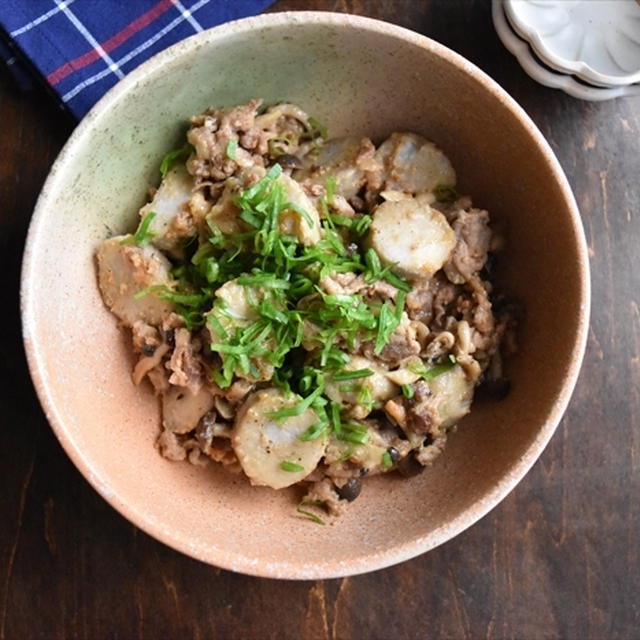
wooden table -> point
(558, 558)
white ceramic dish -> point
(535, 70)
(596, 40)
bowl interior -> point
(359, 77)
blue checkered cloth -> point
(83, 47)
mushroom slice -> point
(123, 271)
(182, 410)
(413, 237)
(270, 451)
(403, 375)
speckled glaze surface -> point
(358, 76)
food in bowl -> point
(338, 66)
(309, 310)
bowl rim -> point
(284, 568)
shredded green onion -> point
(386, 326)
(142, 237)
(298, 408)
(345, 456)
(329, 189)
(313, 432)
(308, 514)
(292, 467)
(446, 193)
(362, 225)
(407, 391)
(356, 433)
(352, 375)
(431, 372)
(172, 157)
(317, 130)
(231, 148)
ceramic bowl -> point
(358, 76)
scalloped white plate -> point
(595, 40)
(521, 50)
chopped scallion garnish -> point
(308, 514)
(407, 391)
(386, 326)
(142, 237)
(329, 189)
(298, 408)
(446, 193)
(317, 130)
(429, 373)
(313, 432)
(291, 467)
(437, 370)
(356, 433)
(300, 211)
(231, 148)
(345, 456)
(352, 375)
(172, 157)
(362, 224)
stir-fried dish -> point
(309, 310)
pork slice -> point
(473, 239)
(210, 135)
(324, 491)
(145, 338)
(346, 283)
(170, 446)
(185, 367)
(402, 344)
(429, 302)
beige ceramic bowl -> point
(358, 76)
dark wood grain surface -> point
(558, 558)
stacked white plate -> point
(588, 48)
